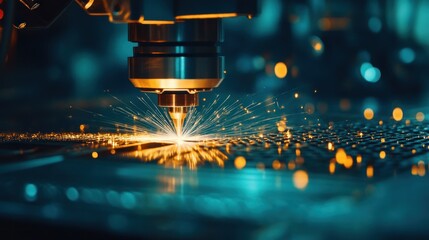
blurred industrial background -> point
(356, 54)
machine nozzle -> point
(178, 115)
(178, 104)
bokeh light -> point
(368, 113)
(370, 171)
(341, 156)
(300, 179)
(240, 162)
(407, 55)
(30, 192)
(370, 73)
(280, 69)
(317, 45)
(397, 114)
(420, 116)
(276, 164)
(359, 159)
(382, 154)
(375, 24)
(349, 162)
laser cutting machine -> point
(178, 53)
(328, 142)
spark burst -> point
(217, 121)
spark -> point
(220, 118)
(219, 121)
(131, 136)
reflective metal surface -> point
(193, 31)
(199, 70)
(271, 186)
(175, 85)
(186, 51)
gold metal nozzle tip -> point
(178, 115)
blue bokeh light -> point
(370, 73)
(375, 24)
(30, 192)
(72, 194)
(407, 55)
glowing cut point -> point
(180, 140)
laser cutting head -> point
(177, 61)
(178, 52)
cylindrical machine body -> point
(180, 57)
(177, 61)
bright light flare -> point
(190, 154)
(207, 128)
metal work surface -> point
(269, 186)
